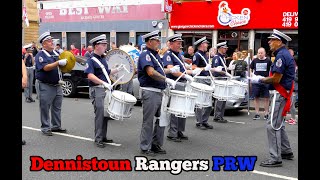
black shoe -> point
(288, 156)
(220, 120)
(47, 133)
(208, 126)
(32, 100)
(175, 139)
(182, 136)
(28, 100)
(157, 149)
(270, 163)
(256, 117)
(105, 140)
(148, 153)
(200, 126)
(23, 142)
(59, 130)
(100, 144)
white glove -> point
(188, 66)
(175, 69)
(188, 78)
(218, 69)
(107, 86)
(196, 71)
(255, 79)
(119, 67)
(62, 62)
(208, 67)
(171, 82)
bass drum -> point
(116, 57)
(133, 52)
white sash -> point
(59, 71)
(212, 79)
(158, 63)
(180, 62)
(102, 67)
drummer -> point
(199, 58)
(220, 61)
(99, 81)
(151, 75)
(170, 59)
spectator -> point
(261, 66)
(74, 50)
(35, 49)
(113, 46)
(190, 53)
(83, 50)
(89, 52)
(292, 120)
(58, 48)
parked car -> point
(75, 81)
(237, 104)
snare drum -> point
(120, 105)
(204, 93)
(223, 90)
(182, 103)
(199, 79)
(239, 89)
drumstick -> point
(117, 81)
(180, 76)
(124, 67)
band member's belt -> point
(49, 83)
(152, 89)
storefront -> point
(77, 21)
(243, 24)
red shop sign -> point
(239, 14)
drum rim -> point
(198, 88)
(132, 62)
(121, 92)
(239, 82)
(183, 93)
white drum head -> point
(221, 82)
(117, 57)
(201, 86)
(124, 96)
(183, 93)
(239, 83)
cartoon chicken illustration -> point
(224, 16)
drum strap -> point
(224, 65)
(56, 54)
(103, 68)
(158, 63)
(182, 64)
(206, 63)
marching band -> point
(164, 84)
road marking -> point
(274, 175)
(237, 122)
(70, 135)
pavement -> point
(242, 136)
